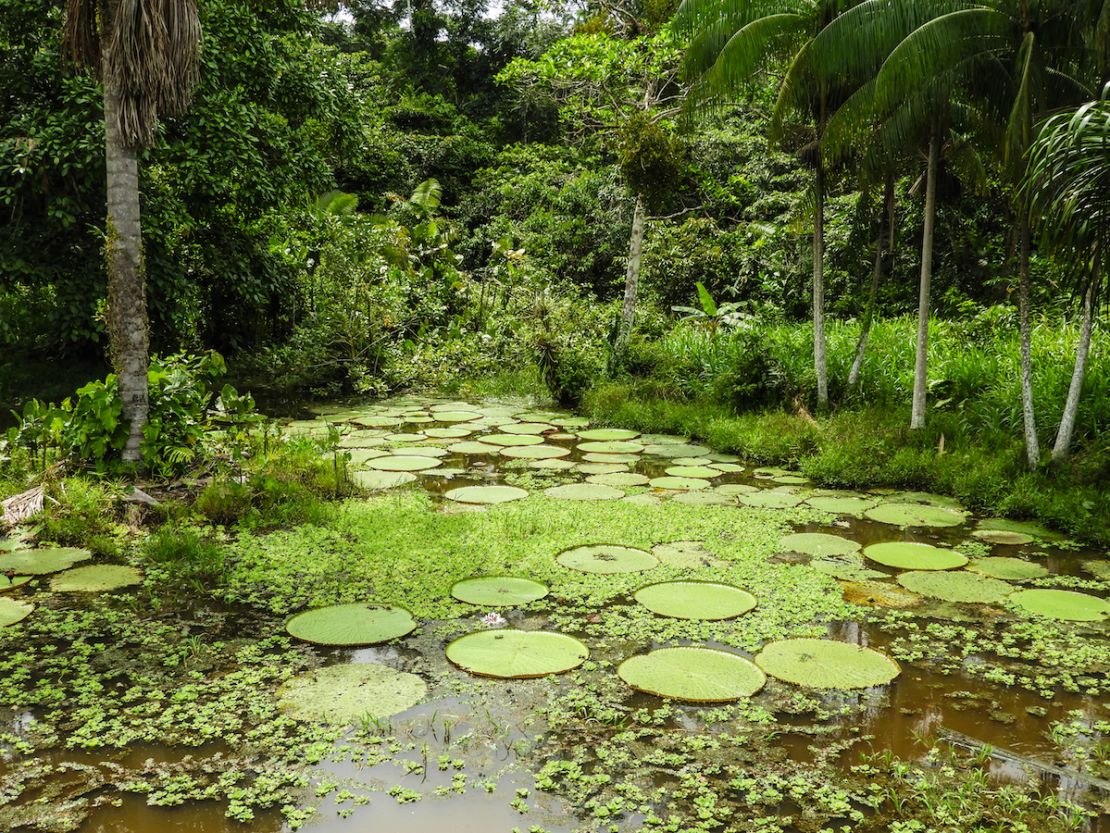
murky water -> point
(921, 703)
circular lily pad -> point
(770, 499)
(818, 544)
(96, 579)
(608, 434)
(351, 624)
(697, 675)
(619, 478)
(455, 416)
(611, 447)
(13, 610)
(960, 586)
(349, 694)
(584, 491)
(515, 654)
(403, 463)
(914, 555)
(1003, 536)
(486, 494)
(535, 452)
(841, 505)
(600, 468)
(703, 600)
(706, 498)
(506, 440)
(606, 559)
(12, 583)
(42, 561)
(594, 457)
(406, 437)
(700, 472)
(526, 428)
(680, 484)
(914, 514)
(676, 449)
(825, 663)
(879, 594)
(498, 591)
(451, 432)
(1029, 529)
(375, 480)
(471, 447)
(1060, 604)
(1010, 569)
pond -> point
(959, 677)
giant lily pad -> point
(535, 452)
(486, 494)
(847, 505)
(703, 600)
(506, 440)
(770, 499)
(1060, 604)
(43, 561)
(451, 432)
(455, 416)
(96, 579)
(914, 514)
(498, 591)
(611, 447)
(375, 480)
(515, 654)
(606, 559)
(1021, 529)
(349, 694)
(679, 484)
(1010, 569)
(1003, 536)
(678, 449)
(698, 675)
(12, 583)
(619, 478)
(584, 491)
(825, 663)
(403, 463)
(879, 594)
(526, 428)
(608, 434)
(13, 610)
(818, 544)
(351, 624)
(471, 447)
(700, 472)
(914, 555)
(594, 457)
(968, 588)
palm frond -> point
(81, 34)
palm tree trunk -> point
(127, 316)
(876, 278)
(1029, 420)
(632, 276)
(820, 362)
(1071, 406)
(920, 368)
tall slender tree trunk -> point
(1071, 406)
(127, 316)
(876, 279)
(632, 276)
(920, 367)
(820, 362)
(1028, 416)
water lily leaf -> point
(790, 480)
(846, 568)
(13, 610)
(451, 432)
(700, 472)
(914, 555)
(375, 480)
(914, 514)
(361, 456)
(606, 559)
(42, 561)
(706, 498)
(826, 663)
(608, 434)
(879, 594)
(611, 447)
(426, 451)
(841, 505)
(370, 421)
(959, 586)
(351, 624)
(406, 437)
(677, 449)
(678, 483)
(471, 447)
(619, 478)
(349, 694)
(526, 428)
(1067, 605)
(96, 579)
(498, 591)
(1099, 568)
(601, 468)
(552, 465)
(727, 468)
(515, 654)
(1002, 536)
(506, 440)
(535, 452)
(1010, 569)
(12, 583)
(697, 675)
(1030, 529)
(818, 544)
(486, 494)
(929, 498)
(403, 463)
(594, 457)
(584, 491)
(455, 416)
(701, 600)
(770, 499)
(734, 489)
(688, 555)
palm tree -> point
(146, 55)
(729, 41)
(1068, 183)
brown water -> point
(922, 703)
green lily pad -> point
(929, 498)
(1030, 529)
(372, 421)
(914, 555)
(1067, 605)
(683, 484)
(526, 428)
(697, 675)
(498, 591)
(701, 600)
(841, 505)
(471, 447)
(98, 578)
(351, 624)
(818, 544)
(535, 452)
(688, 555)
(403, 463)
(1003, 536)
(727, 468)
(42, 561)
(1010, 569)
(826, 664)
(350, 694)
(455, 416)
(699, 472)
(846, 568)
(619, 478)
(678, 449)
(914, 514)
(406, 437)
(451, 432)
(507, 440)
(13, 610)
(959, 586)
(486, 494)
(12, 583)
(584, 491)
(611, 447)
(770, 499)
(600, 468)
(375, 480)
(552, 465)
(879, 594)
(734, 489)
(361, 456)
(1099, 568)
(607, 560)
(608, 434)
(594, 457)
(706, 498)
(515, 654)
